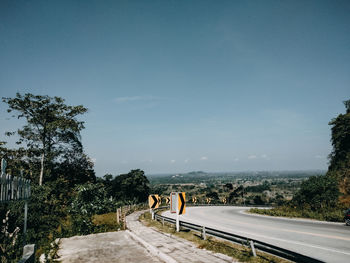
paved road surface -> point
(329, 242)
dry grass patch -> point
(105, 223)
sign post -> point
(173, 202)
(177, 223)
(178, 206)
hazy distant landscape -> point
(249, 188)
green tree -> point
(236, 194)
(317, 192)
(339, 167)
(214, 196)
(90, 199)
(131, 187)
(51, 128)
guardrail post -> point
(203, 233)
(177, 223)
(252, 247)
(152, 213)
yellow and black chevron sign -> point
(182, 203)
(194, 200)
(153, 201)
(167, 200)
(224, 200)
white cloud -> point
(236, 159)
(204, 158)
(319, 157)
(172, 161)
(133, 98)
(252, 156)
(187, 160)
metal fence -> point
(11, 187)
(242, 240)
(14, 188)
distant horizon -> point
(246, 171)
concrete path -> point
(170, 248)
(135, 245)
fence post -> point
(124, 219)
(117, 215)
(25, 223)
(252, 247)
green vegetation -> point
(339, 167)
(133, 186)
(240, 188)
(241, 253)
(67, 199)
(106, 223)
(327, 214)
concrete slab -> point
(104, 247)
(169, 247)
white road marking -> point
(277, 239)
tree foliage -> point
(90, 199)
(51, 127)
(317, 192)
(339, 167)
(213, 195)
(236, 194)
(131, 187)
(259, 188)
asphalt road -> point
(326, 241)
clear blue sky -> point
(176, 86)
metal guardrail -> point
(265, 247)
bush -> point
(318, 192)
(90, 200)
